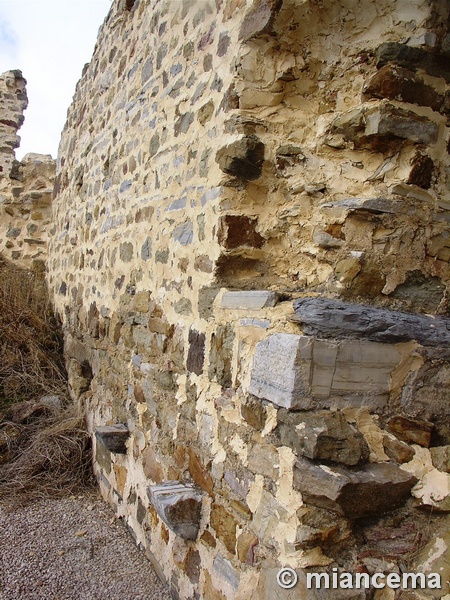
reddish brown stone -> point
(179, 456)
(164, 533)
(224, 525)
(397, 450)
(203, 263)
(121, 477)
(411, 430)
(396, 83)
(138, 394)
(192, 565)
(209, 591)
(237, 230)
(246, 547)
(199, 474)
(254, 413)
(387, 540)
(152, 468)
(421, 172)
(208, 539)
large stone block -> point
(413, 58)
(281, 370)
(337, 319)
(365, 492)
(302, 373)
(179, 506)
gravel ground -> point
(72, 549)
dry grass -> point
(47, 457)
(44, 447)
(31, 359)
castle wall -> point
(224, 169)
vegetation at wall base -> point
(44, 445)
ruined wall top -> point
(13, 102)
(26, 187)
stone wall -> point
(226, 169)
(26, 187)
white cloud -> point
(49, 41)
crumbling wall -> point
(250, 236)
(26, 187)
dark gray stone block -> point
(243, 158)
(179, 506)
(365, 492)
(413, 58)
(335, 318)
(113, 437)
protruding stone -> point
(243, 158)
(322, 436)
(372, 125)
(411, 430)
(249, 300)
(413, 58)
(113, 437)
(366, 492)
(377, 206)
(397, 83)
(259, 19)
(281, 369)
(337, 319)
(179, 506)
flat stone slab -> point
(377, 206)
(113, 437)
(338, 319)
(252, 300)
(365, 492)
(179, 506)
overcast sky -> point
(49, 41)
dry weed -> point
(44, 448)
